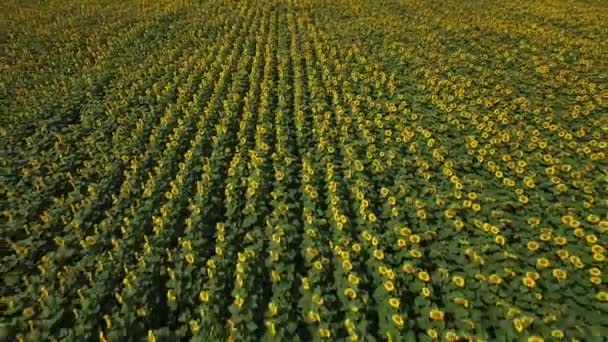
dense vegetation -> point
(303, 169)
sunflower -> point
(458, 281)
(372, 217)
(543, 263)
(350, 293)
(398, 320)
(518, 325)
(389, 286)
(461, 301)
(194, 325)
(239, 301)
(560, 240)
(317, 299)
(597, 249)
(563, 254)
(450, 214)
(318, 265)
(593, 218)
(313, 316)
(108, 321)
(533, 221)
(28, 312)
(151, 337)
(560, 274)
(500, 240)
(529, 282)
(324, 332)
(495, 279)
(346, 265)
(408, 268)
(424, 276)
(273, 308)
(405, 231)
(415, 253)
(436, 315)
(458, 224)
(451, 336)
(595, 280)
(533, 275)
(532, 246)
(591, 239)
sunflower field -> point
(304, 170)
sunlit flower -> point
(494, 279)
(458, 281)
(389, 286)
(532, 246)
(324, 332)
(559, 274)
(350, 293)
(378, 254)
(557, 333)
(398, 320)
(194, 326)
(28, 312)
(518, 325)
(543, 263)
(436, 315)
(171, 296)
(346, 265)
(415, 253)
(529, 282)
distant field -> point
(286, 170)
